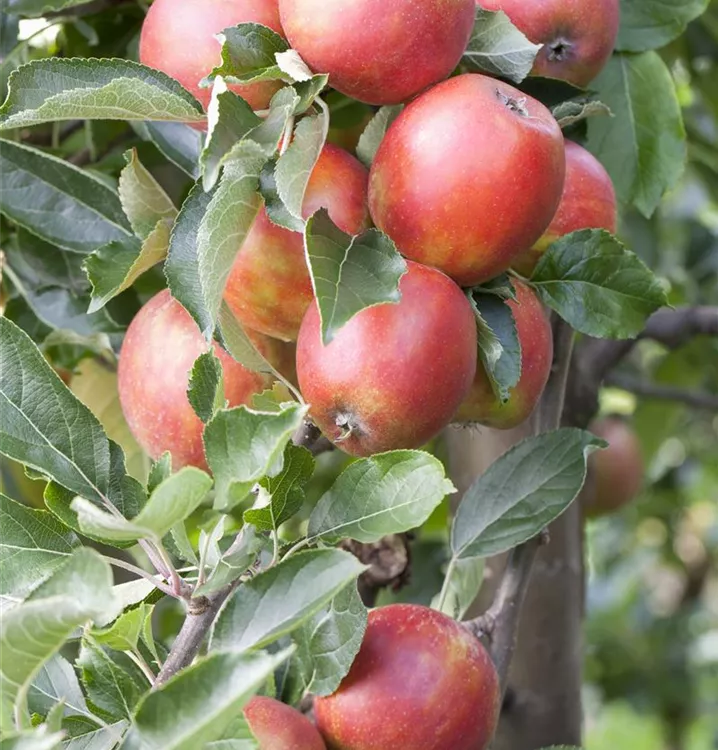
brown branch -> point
(696, 399)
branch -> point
(696, 399)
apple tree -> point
(309, 314)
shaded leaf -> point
(650, 24)
(248, 53)
(374, 133)
(206, 386)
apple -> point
(379, 52)
(394, 375)
(615, 473)
(482, 405)
(588, 202)
(578, 36)
(269, 288)
(277, 726)
(468, 176)
(420, 681)
(159, 350)
(179, 38)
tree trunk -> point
(543, 701)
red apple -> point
(269, 288)
(468, 176)
(588, 202)
(379, 52)
(421, 681)
(178, 38)
(482, 405)
(615, 473)
(394, 375)
(277, 726)
(578, 35)
(157, 356)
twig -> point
(696, 399)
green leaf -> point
(243, 445)
(235, 561)
(32, 545)
(498, 48)
(180, 143)
(571, 112)
(40, 7)
(327, 644)
(499, 344)
(521, 492)
(143, 199)
(295, 166)
(650, 24)
(57, 88)
(278, 600)
(32, 632)
(230, 119)
(464, 579)
(386, 494)
(282, 495)
(113, 682)
(374, 133)
(40, 739)
(644, 146)
(45, 427)
(248, 52)
(308, 91)
(349, 274)
(596, 285)
(159, 471)
(100, 738)
(171, 502)
(197, 705)
(57, 681)
(125, 632)
(240, 346)
(206, 386)
(58, 202)
(268, 135)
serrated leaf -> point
(499, 344)
(644, 146)
(206, 386)
(269, 133)
(248, 51)
(57, 88)
(385, 494)
(374, 133)
(197, 705)
(39, 739)
(349, 274)
(56, 680)
(230, 118)
(327, 644)
(99, 738)
(284, 492)
(159, 471)
(464, 579)
(180, 143)
(521, 492)
(58, 202)
(294, 167)
(243, 445)
(308, 91)
(498, 48)
(596, 285)
(125, 632)
(650, 24)
(279, 599)
(45, 427)
(33, 632)
(143, 198)
(235, 561)
(571, 112)
(238, 344)
(171, 502)
(113, 682)
(33, 544)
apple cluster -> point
(473, 179)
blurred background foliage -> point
(651, 634)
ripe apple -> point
(394, 375)
(419, 682)
(615, 473)
(277, 726)
(578, 35)
(157, 356)
(588, 202)
(269, 288)
(178, 38)
(468, 176)
(534, 331)
(379, 52)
